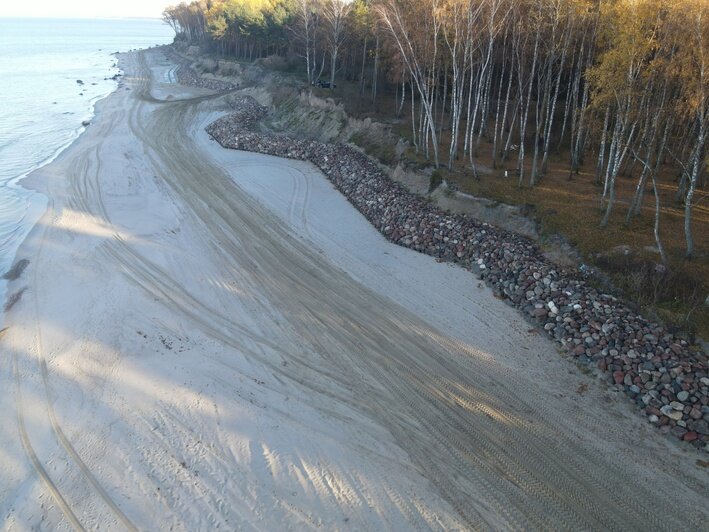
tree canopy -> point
(623, 81)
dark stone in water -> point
(16, 270)
(14, 299)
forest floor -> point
(569, 206)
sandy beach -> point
(211, 339)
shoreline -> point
(77, 133)
(57, 71)
(38, 202)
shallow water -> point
(42, 105)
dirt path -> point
(218, 369)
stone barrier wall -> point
(667, 381)
(186, 75)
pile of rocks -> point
(186, 75)
(658, 371)
(247, 112)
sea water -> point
(52, 72)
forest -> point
(607, 90)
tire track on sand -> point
(86, 188)
(32, 455)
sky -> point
(84, 8)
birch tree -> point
(304, 30)
(618, 80)
(334, 14)
(693, 60)
(415, 28)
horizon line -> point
(80, 17)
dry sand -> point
(212, 339)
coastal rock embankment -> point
(187, 75)
(658, 371)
